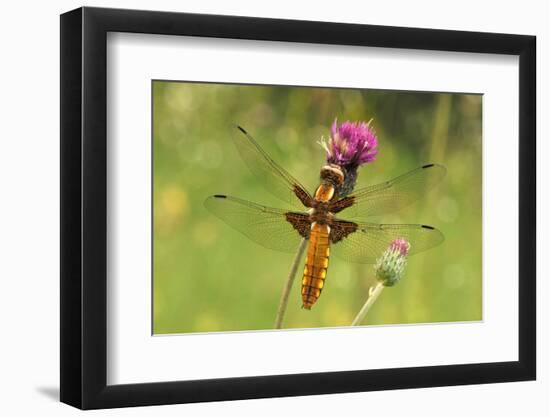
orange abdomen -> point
(315, 271)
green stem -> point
(283, 304)
(373, 296)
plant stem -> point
(373, 296)
(288, 285)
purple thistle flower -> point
(351, 144)
(391, 265)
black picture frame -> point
(84, 207)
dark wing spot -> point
(338, 206)
(428, 166)
(220, 196)
(242, 130)
(340, 229)
(428, 227)
(300, 222)
(303, 196)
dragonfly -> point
(325, 219)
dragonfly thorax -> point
(332, 178)
(324, 193)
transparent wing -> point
(273, 177)
(368, 241)
(393, 195)
(272, 228)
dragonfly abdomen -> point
(315, 270)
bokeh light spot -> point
(335, 314)
(454, 276)
(206, 322)
(447, 210)
(171, 207)
(205, 233)
(179, 98)
(208, 155)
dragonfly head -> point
(332, 174)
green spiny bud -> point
(391, 265)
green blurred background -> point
(209, 277)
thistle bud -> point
(391, 265)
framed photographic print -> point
(258, 208)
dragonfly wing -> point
(393, 195)
(270, 227)
(366, 242)
(273, 177)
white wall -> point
(29, 238)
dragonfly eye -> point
(332, 174)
